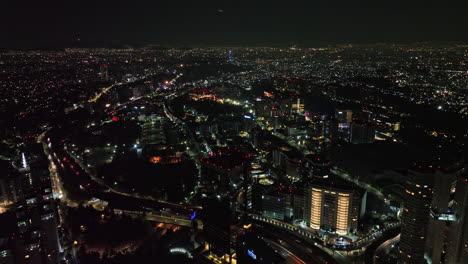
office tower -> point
(415, 216)
(362, 132)
(103, 72)
(330, 129)
(344, 118)
(217, 219)
(440, 213)
(230, 57)
(333, 207)
(297, 106)
(298, 204)
(277, 206)
(287, 161)
(30, 235)
(457, 246)
(315, 165)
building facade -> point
(333, 209)
(415, 217)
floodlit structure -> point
(334, 209)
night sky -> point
(231, 23)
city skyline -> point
(234, 132)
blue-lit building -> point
(230, 57)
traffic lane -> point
(286, 254)
(384, 249)
(79, 180)
(299, 246)
(371, 249)
(305, 252)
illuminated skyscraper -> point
(333, 208)
(344, 118)
(415, 217)
(230, 57)
(31, 235)
(297, 106)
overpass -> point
(160, 217)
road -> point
(290, 257)
(384, 249)
(157, 217)
(304, 248)
(68, 175)
(371, 250)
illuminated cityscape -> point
(200, 148)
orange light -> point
(155, 159)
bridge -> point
(161, 218)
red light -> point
(114, 118)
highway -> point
(384, 249)
(157, 217)
(305, 249)
(290, 257)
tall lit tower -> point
(23, 161)
(104, 73)
(416, 211)
(332, 207)
(230, 57)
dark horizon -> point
(230, 23)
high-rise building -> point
(316, 166)
(217, 219)
(230, 56)
(330, 129)
(457, 246)
(31, 233)
(277, 206)
(415, 216)
(440, 214)
(103, 72)
(362, 132)
(333, 207)
(297, 106)
(344, 118)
